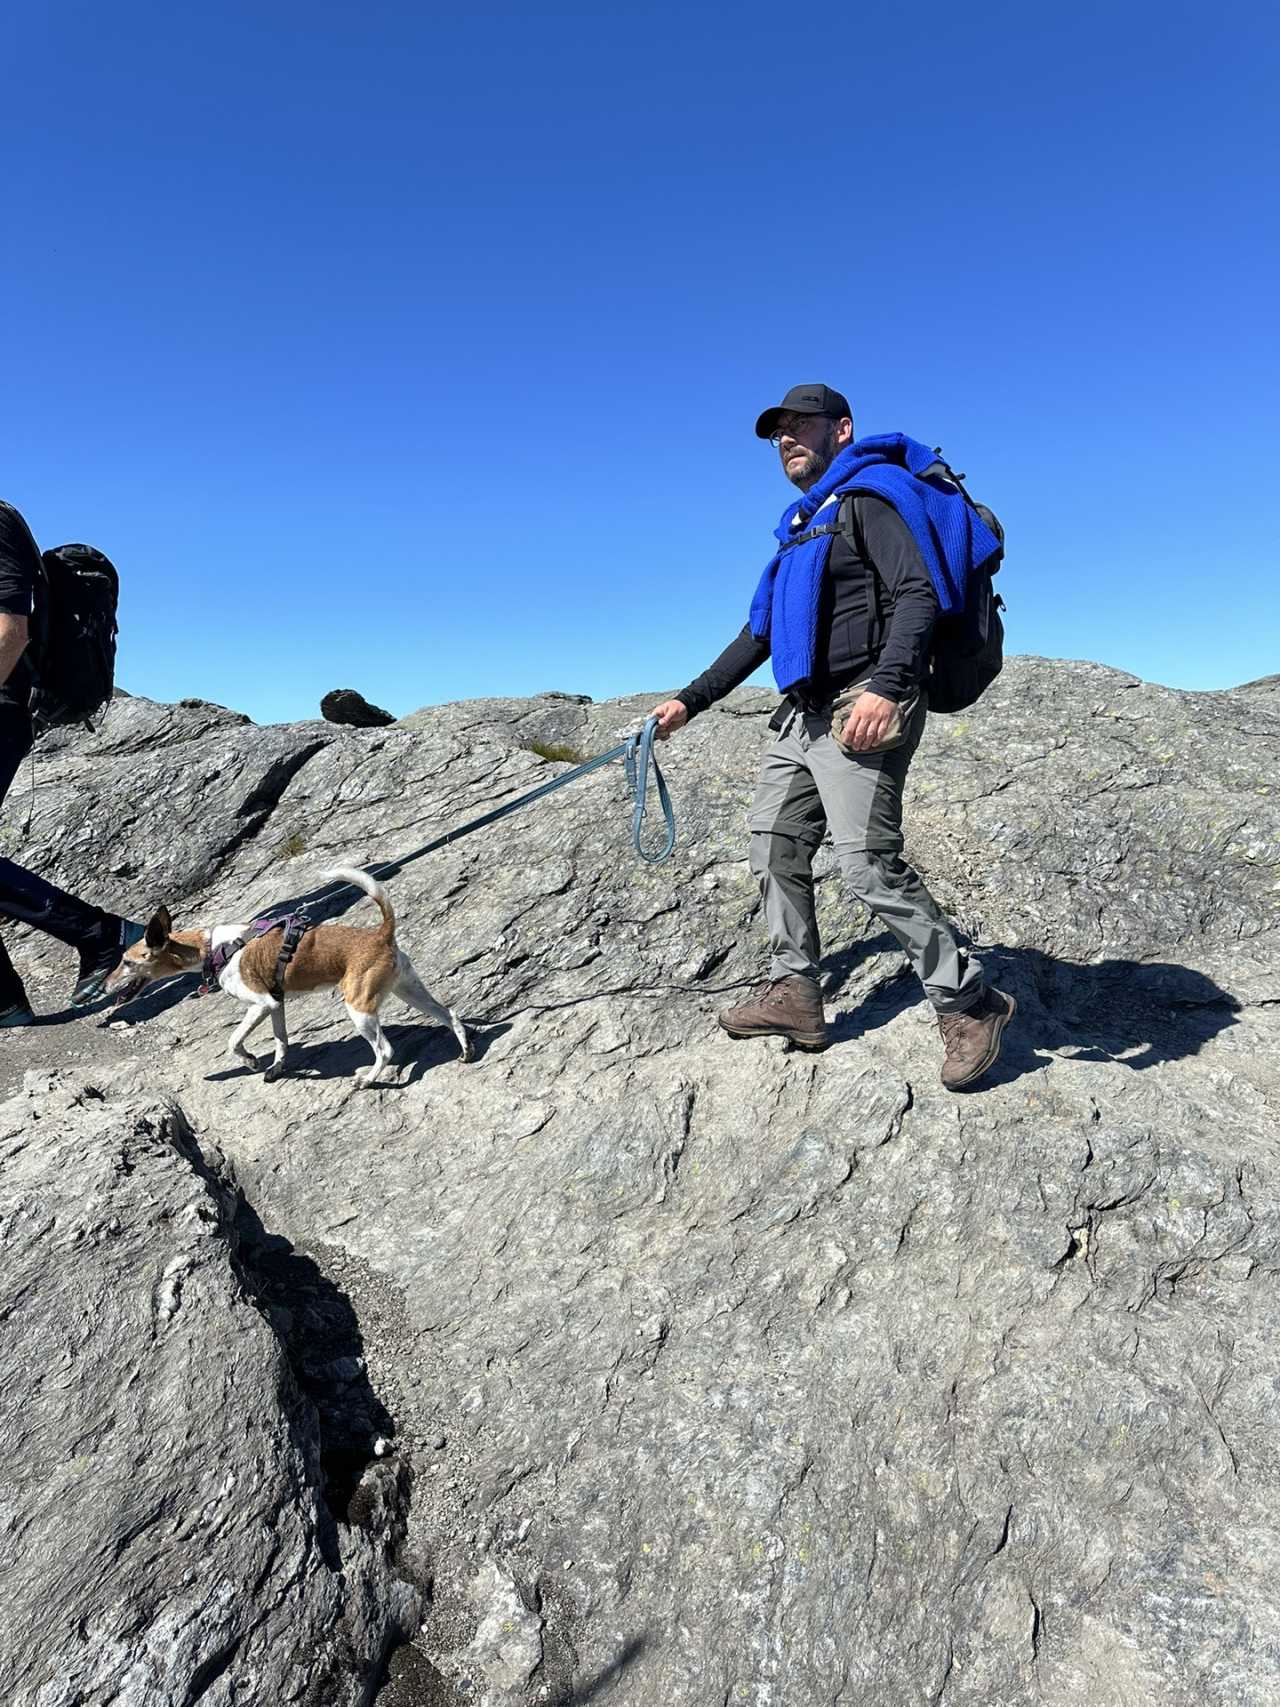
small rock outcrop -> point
(719, 1373)
(345, 705)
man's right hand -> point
(672, 714)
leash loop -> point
(639, 761)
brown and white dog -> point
(364, 965)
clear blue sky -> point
(417, 348)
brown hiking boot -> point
(784, 1007)
(972, 1039)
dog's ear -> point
(158, 928)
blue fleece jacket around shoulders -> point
(952, 539)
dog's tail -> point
(372, 888)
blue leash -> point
(639, 758)
(638, 755)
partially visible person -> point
(99, 937)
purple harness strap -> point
(294, 925)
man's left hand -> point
(868, 722)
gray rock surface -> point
(165, 1535)
(727, 1374)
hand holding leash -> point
(672, 714)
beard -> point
(807, 472)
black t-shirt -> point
(851, 643)
(19, 567)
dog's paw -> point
(468, 1050)
(275, 1071)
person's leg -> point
(972, 1015)
(15, 743)
(895, 893)
(100, 937)
(31, 901)
(786, 822)
(15, 1009)
(862, 795)
(786, 825)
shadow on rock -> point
(883, 1003)
(63, 1016)
(153, 1001)
(1134, 1013)
(417, 1048)
(317, 1326)
(596, 1686)
(332, 900)
(840, 968)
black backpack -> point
(968, 645)
(74, 642)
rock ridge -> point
(722, 1373)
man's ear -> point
(158, 928)
(844, 432)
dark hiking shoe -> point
(972, 1039)
(784, 1007)
(18, 1014)
(100, 957)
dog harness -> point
(294, 925)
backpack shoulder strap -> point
(41, 616)
(851, 528)
(942, 470)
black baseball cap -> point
(805, 400)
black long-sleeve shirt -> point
(851, 642)
(19, 567)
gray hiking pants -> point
(809, 784)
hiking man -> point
(853, 670)
(100, 937)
